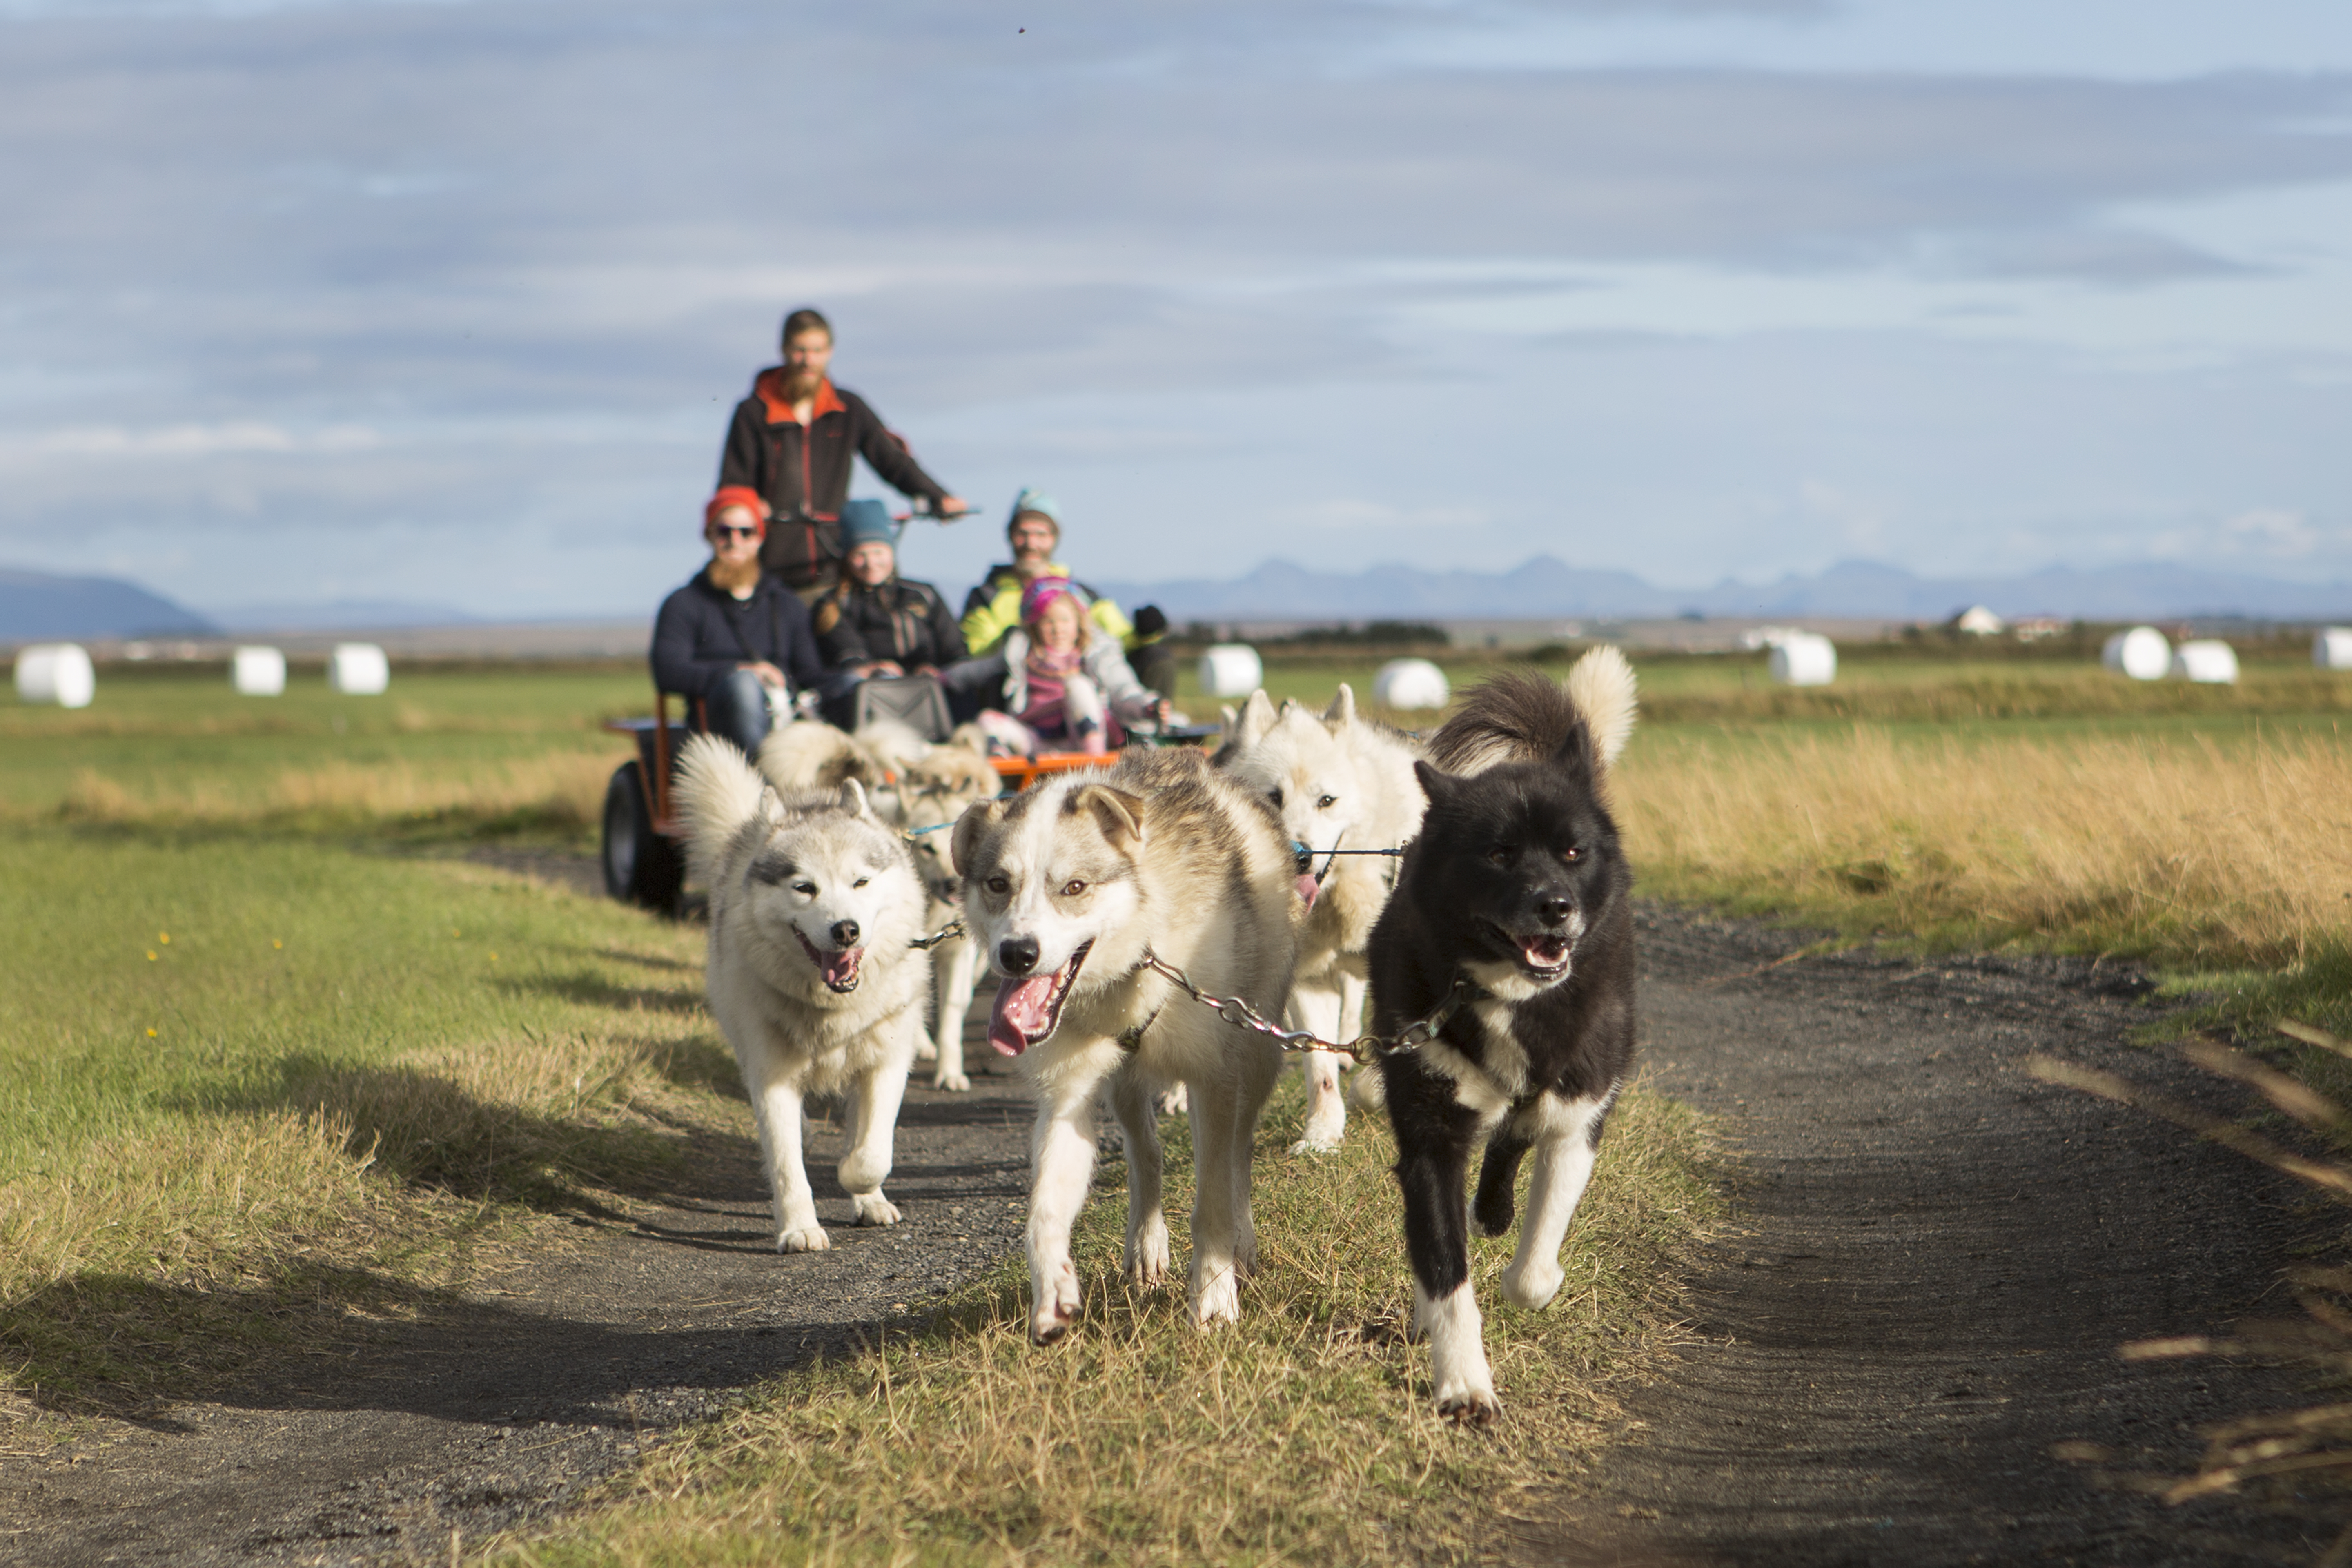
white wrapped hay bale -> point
(258, 672)
(2331, 647)
(2214, 663)
(358, 669)
(57, 673)
(2140, 653)
(1411, 683)
(1231, 669)
(1803, 658)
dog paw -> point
(1471, 1409)
(1534, 1285)
(1218, 1300)
(1056, 1307)
(1323, 1138)
(1147, 1253)
(808, 1238)
(873, 1209)
(1169, 1102)
(953, 1082)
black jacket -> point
(804, 472)
(703, 633)
(900, 620)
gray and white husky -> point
(1337, 783)
(815, 907)
(1067, 887)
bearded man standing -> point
(792, 441)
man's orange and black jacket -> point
(803, 472)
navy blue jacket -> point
(703, 633)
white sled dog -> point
(922, 789)
(815, 907)
(1337, 783)
(1067, 887)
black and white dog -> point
(1516, 890)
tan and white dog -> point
(1067, 887)
(1337, 783)
(813, 974)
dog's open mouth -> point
(838, 970)
(1543, 954)
(1028, 1009)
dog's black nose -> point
(1018, 954)
(1554, 911)
(845, 933)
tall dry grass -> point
(559, 790)
(2167, 849)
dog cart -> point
(643, 853)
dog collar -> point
(1131, 1038)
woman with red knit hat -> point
(734, 635)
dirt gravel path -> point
(1935, 1260)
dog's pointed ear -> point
(1438, 786)
(1118, 814)
(1342, 712)
(1232, 720)
(1258, 718)
(977, 818)
(853, 799)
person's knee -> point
(737, 709)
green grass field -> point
(278, 1052)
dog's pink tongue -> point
(1019, 1014)
(841, 968)
(1307, 888)
(1546, 952)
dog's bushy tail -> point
(808, 756)
(718, 791)
(1518, 716)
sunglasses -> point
(731, 531)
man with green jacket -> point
(1035, 533)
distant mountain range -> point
(36, 606)
(1545, 587)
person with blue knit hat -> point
(992, 610)
(874, 623)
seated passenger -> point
(875, 623)
(993, 609)
(735, 637)
(1067, 686)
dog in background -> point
(1068, 886)
(1516, 890)
(1336, 783)
(815, 907)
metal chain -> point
(947, 932)
(1366, 1049)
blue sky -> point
(449, 302)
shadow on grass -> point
(592, 990)
(326, 1337)
(425, 1130)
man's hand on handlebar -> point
(951, 508)
(770, 676)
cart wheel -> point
(641, 866)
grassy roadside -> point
(1302, 1434)
(255, 1084)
